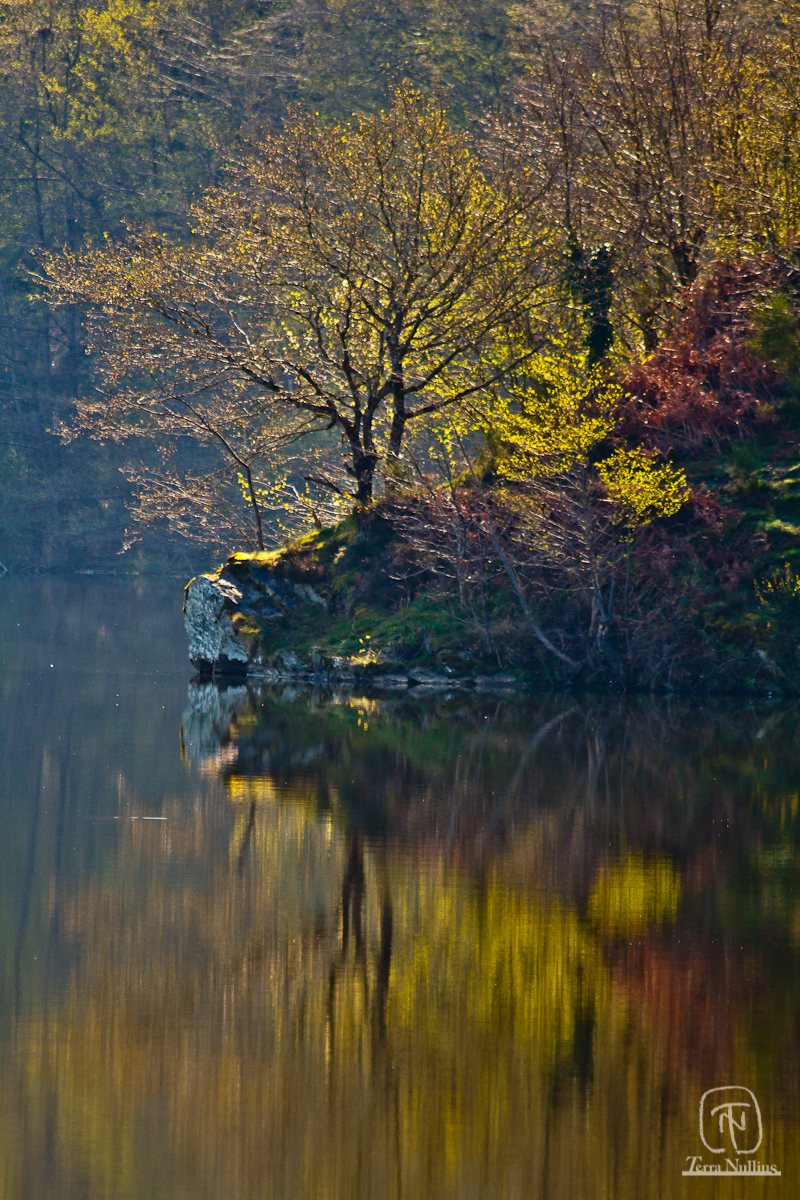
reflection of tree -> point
(693, 793)
(351, 906)
(405, 1018)
(270, 999)
(351, 912)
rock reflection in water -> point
(443, 948)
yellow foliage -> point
(633, 894)
(639, 490)
(757, 187)
(781, 584)
(96, 67)
(374, 293)
(553, 420)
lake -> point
(275, 943)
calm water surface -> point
(452, 947)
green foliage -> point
(18, 544)
(589, 276)
(777, 341)
(346, 57)
(780, 587)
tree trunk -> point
(365, 460)
(399, 414)
(364, 472)
(255, 506)
(399, 418)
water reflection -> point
(421, 948)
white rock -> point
(212, 638)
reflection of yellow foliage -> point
(260, 788)
(365, 705)
(634, 893)
(263, 789)
(221, 1038)
(212, 764)
(89, 1127)
(524, 966)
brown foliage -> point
(705, 383)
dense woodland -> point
(120, 111)
(516, 290)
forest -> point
(122, 112)
(492, 305)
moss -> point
(415, 633)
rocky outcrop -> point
(269, 616)
(214, 646)
(225, 613)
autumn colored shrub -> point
(706, 383)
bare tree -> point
(648, 126)
(352, 278)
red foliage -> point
(688, 998)
(704, 383)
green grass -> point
(372, 618)
(414, 633)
